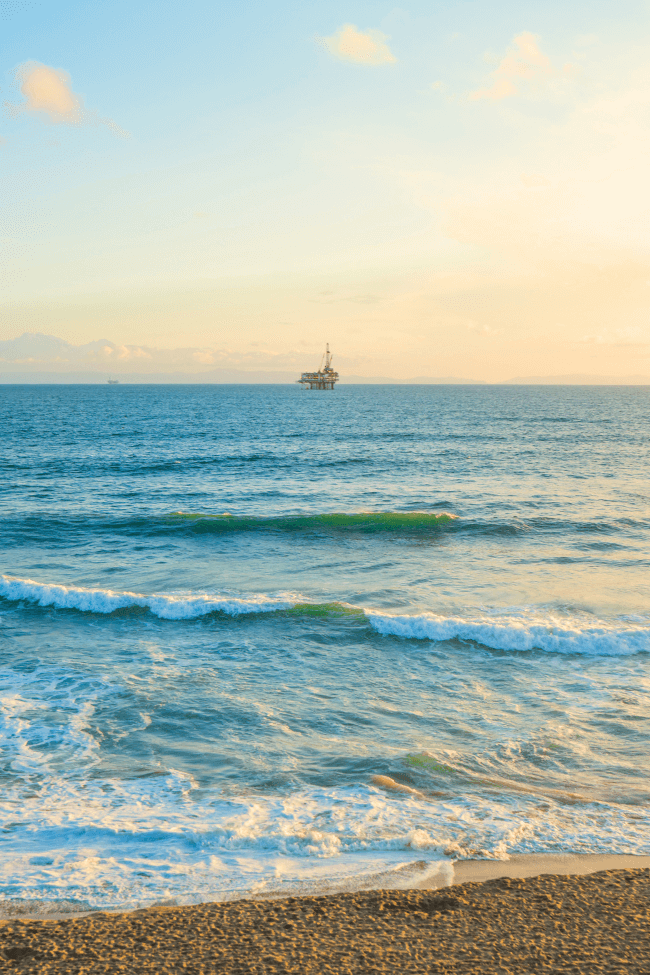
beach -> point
(592, 923)
(325, 489)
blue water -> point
(258, 638)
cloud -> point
(554, 230)
(523, 62)
(48, 94)
(350, 44)
(635, 336)
(40, 353)
(576, 191)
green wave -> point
(362, 521)
(428, 762)
(324, 610)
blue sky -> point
(435, 189)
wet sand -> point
(590, 923)
(534, 864)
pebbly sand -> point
(590, 923)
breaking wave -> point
(522, 632)
(167, 607)
(519, 631)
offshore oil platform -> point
(324, 378)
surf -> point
(524, 630)
(106, 601)
(521, 632)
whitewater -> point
(259, 640)
(525, 630)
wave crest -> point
(167, 607)
(521, 631)
(362, 521)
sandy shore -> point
(534, 864)
(590, 923)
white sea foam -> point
(132, 843)
(523, 631)
(168, 607)
(80, 833)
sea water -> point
(259, 639)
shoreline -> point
(534, 864)
(518, 866)
(584, 924)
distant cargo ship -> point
(112, 382)
(324, 378)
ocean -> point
(257, 640)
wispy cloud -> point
(48, 94)
(634, 336)
(524, 62)
(38, 352)
(363, 47)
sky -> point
(455, 189)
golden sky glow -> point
(462, 194)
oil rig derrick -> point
(324, 378)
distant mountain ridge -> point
(579, 379)
(38, 358)
(34, 357)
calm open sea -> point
(256, 638)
